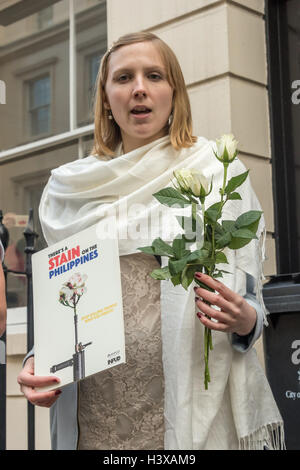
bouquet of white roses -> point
(191, 189)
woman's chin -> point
(141, 137)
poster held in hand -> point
(78, 313)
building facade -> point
(49, 58)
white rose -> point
(226, 148)
(192, 181)
(199, 180)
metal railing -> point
(30, 236)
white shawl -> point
(83, 192)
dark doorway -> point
(283, 47)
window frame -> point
(84, 52)
(79, 132)
(27, 76)
(31, 109)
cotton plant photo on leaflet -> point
(72, 290)
(69, 295)
(191, 188)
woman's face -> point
(138, 94)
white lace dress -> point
(122, 408)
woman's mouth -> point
(140, 111)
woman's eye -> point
(155, 76)
(123, 78)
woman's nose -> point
(139, 93)
(139, 88)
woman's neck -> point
(130, 144)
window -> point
(94, 61)
(93, 66)
(39, 105)
(45, 18)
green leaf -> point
(207, 245)
(235, 182)
(185, 281)
(234, 196)
(221, 258)
(243, 233)
(237, 243)
(248, 218)
(159, 247)
(219, 230)
(240, 238)
(171, 197)
(178, 247)
(223, 241)
(213, 212)
(161, 274)
(228, 225)
(253, 227)
(176, 279)
(201, 255)
(162, 248)
(188, 273)
(176, 266)
(149, 250)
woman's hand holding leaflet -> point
(28, 382)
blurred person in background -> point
(2, 294)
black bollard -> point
(30, 237)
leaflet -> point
(78, 312)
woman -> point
(157, 399)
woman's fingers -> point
(218, 326)
(40, 398)
(226, 299)
(28, 382)
(228, 302)
(227, 293)
(224, 321)
(235, 314)
(27, 377)
(212, 312)
(217, 300)
(36, 381)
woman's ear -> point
(105, 101)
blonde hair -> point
(107, 133)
